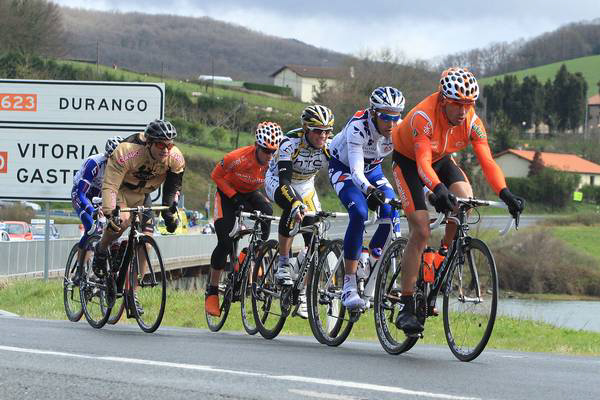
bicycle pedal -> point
(418, 335)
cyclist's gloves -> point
(375, 198)
(171, 222)
(238, 202)
(444, 201)
(515, 204)
(114, 222)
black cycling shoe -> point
(99, 263)
(406, 319)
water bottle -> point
(428, 271)
(364, 265)
(240, 259)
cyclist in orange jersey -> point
(441, 124)
(239, 177)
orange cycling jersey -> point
(239, 171)
(425, 135)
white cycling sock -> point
(349, 282)
(283, 260)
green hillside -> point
(292, 106)
(588, 66)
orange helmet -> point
(460, 84)
(268, 135)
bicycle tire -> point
(248, 321)
(151, 287)
(117, 311)
(467, 344)
(92, 290)
(387, 296)
(326, 315)
(71, 293)
(226, 296)
(265, 293)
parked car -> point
(18, 230)
(9, 203)
(38, 229)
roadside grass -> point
(39, 299)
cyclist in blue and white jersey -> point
(356, 175)
(87, 183)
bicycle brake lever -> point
(517, 218)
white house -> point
(515, 163)
(305, 81)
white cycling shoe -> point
(351, 300)
(302, 310)
(283, 275)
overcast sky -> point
(417, 29)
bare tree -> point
(31, 27)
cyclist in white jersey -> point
(356, 176)
(290, 181)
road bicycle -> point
(330, 321)
(136, 274)
(235, 282)
(71, 299)
(273, 303)
(467, 281)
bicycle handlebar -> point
(254, 214)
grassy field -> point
(37, 299)
(292, 106)
(584, 238)
(588, 66)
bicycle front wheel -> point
(149, 281)
(470, 301)
(327, 316)
(71, 297)
(266, 306)
(93, 288)
(387, 300)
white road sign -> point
(47, 129)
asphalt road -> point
(42, 359)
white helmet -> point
(387, 97)
(268, 135)
(111, 145)
(459, 84)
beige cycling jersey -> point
(132, 171)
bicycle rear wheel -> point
(248, 319)
(148, 278)
(470, 301)
(327, 316)
(387, 300)
(225, 296)
(92, 290)
(71, 294)
(266, 306)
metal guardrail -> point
(26, 258)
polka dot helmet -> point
(268, 135)
(459, 84)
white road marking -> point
(207, 368)
(321, 395)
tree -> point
(31, 27)
(503, 133)
(537, 165)
(532, 101)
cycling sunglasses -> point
(388, 117)
(164, 145)
(266, 151)
(321, 131)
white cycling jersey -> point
(360, 147)
(306, 163)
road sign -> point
(47, 129)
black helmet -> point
(160, 130)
